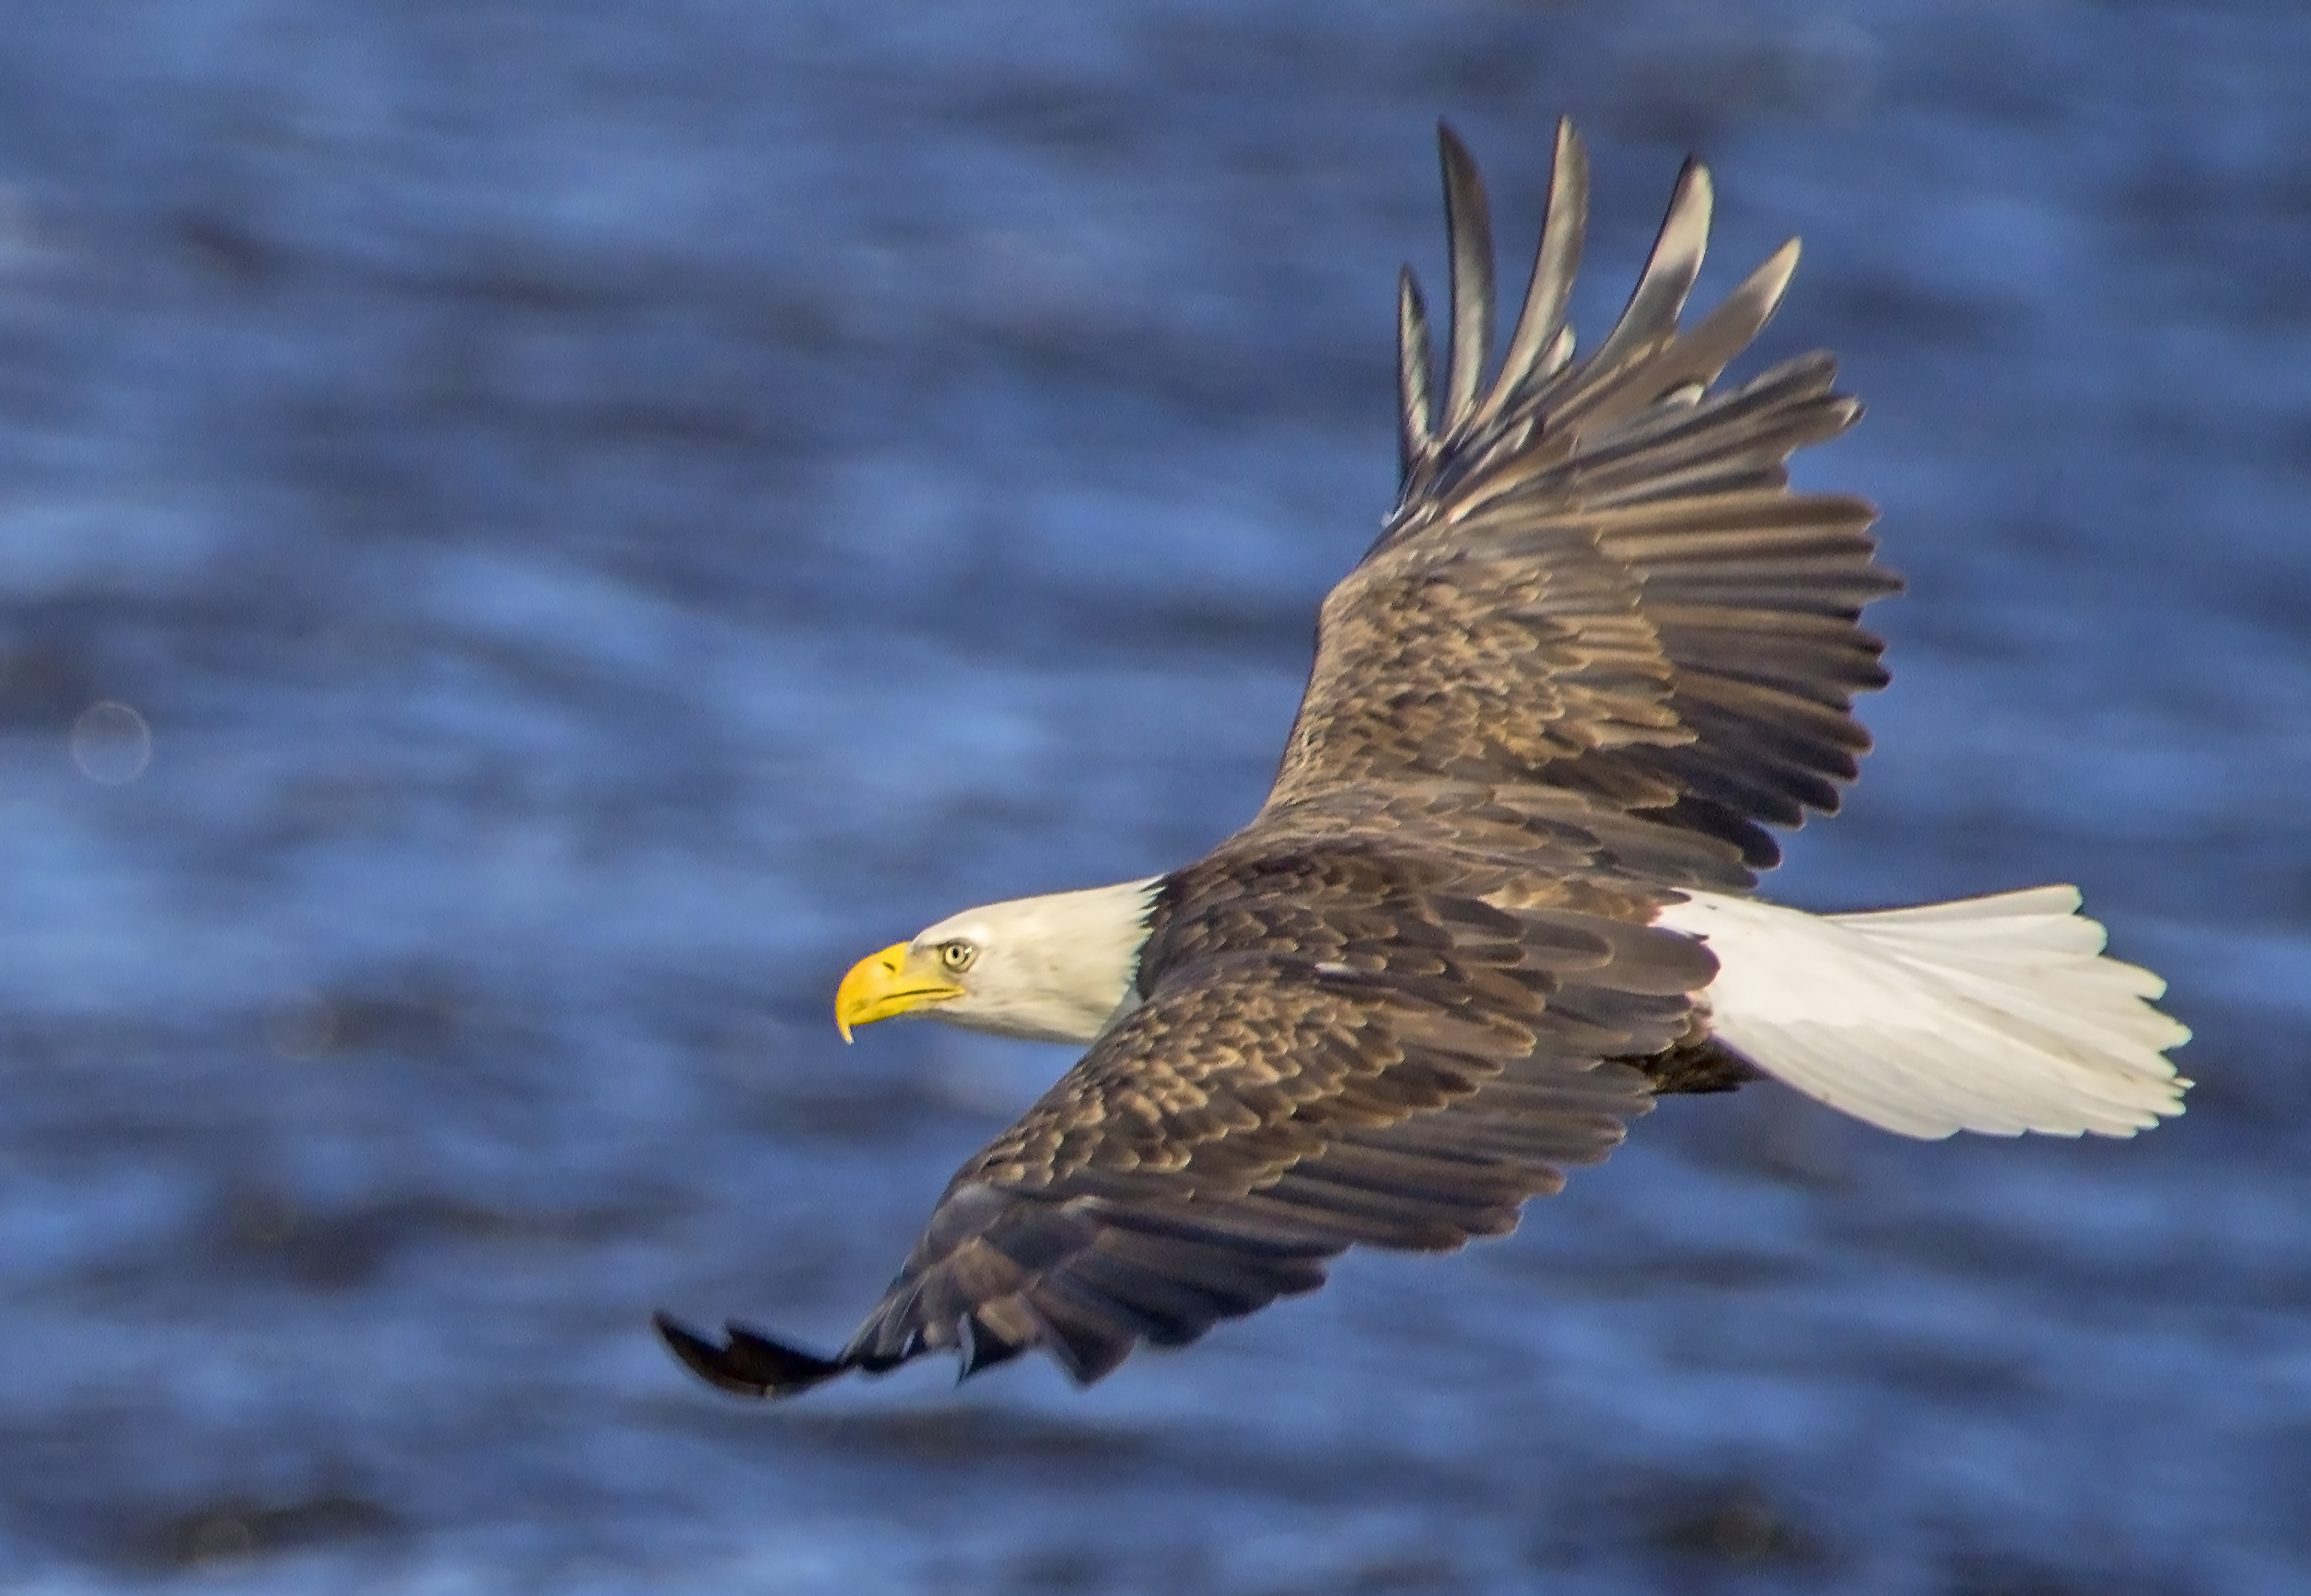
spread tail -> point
(1993, 1014)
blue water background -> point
(611, 512)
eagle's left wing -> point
(1338, 1045)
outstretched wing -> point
(1338, 1045)
(1596, 579)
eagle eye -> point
(957, 956)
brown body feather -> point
(1598, 647)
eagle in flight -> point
(1501, 895)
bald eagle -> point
(1501, 894)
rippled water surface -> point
(531, 536)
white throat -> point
(1058, 968)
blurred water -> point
(534, 535)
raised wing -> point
(1596, 579)
(1337, 1046)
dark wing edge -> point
(1646, 361)
(746, 1363)
(1010, 1272)
(1370, 1060)
(1702, 673)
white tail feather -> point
(1987, 1014)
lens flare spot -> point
(111, 743)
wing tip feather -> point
(1468, 230)
(747, 1363)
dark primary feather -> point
(1416, 423)
(1541, 343)
(1469, 226)
(1598, 646)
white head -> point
(1058, 968)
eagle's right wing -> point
(1596, 579)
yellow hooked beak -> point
(888, 983)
